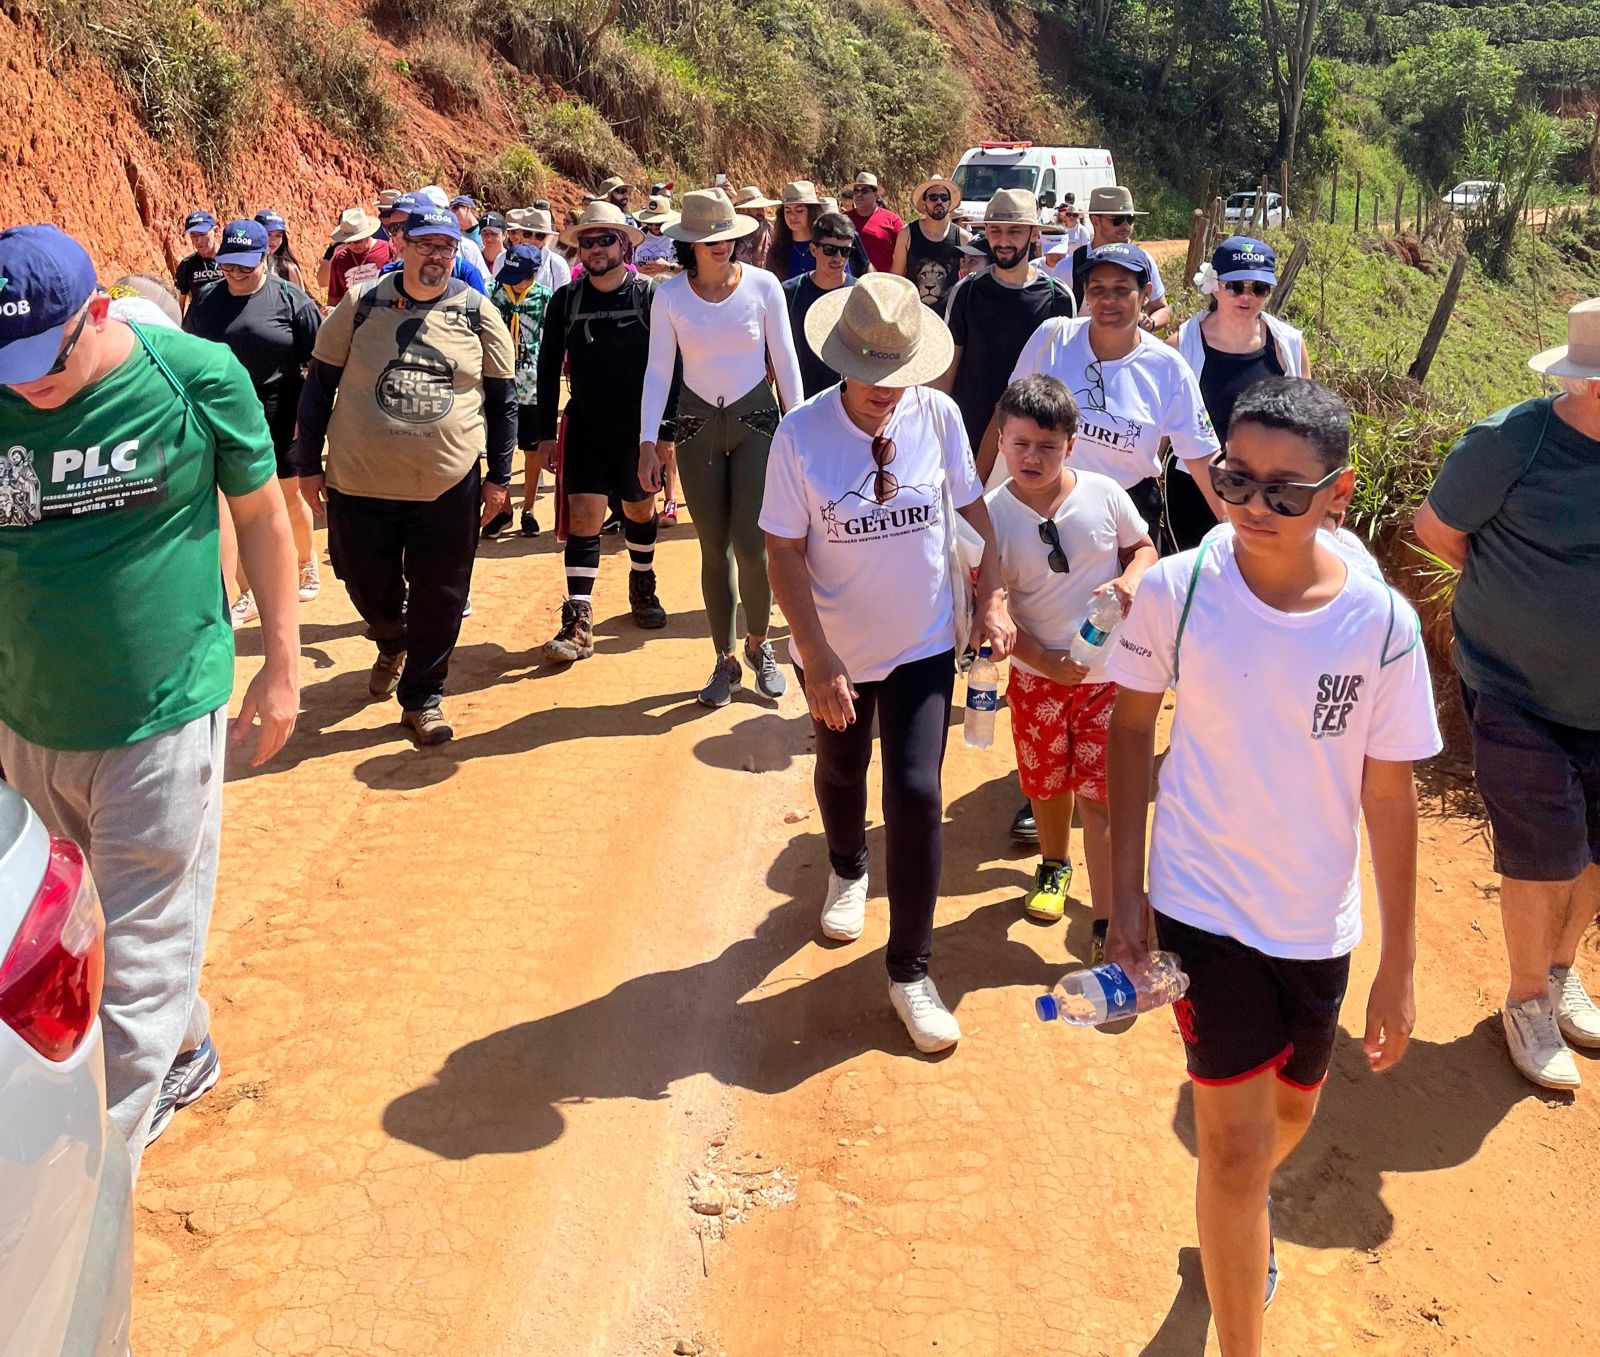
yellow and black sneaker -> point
(1047, 901)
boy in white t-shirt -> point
(1064, 536)
(1302, 698)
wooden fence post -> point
(1289, 276)
(1333, 207)
(1283, 189)
(1355, 219)
(1399, 205)
(1418, 371)
(1197, 244)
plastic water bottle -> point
(1105, 616)
(983, 696)
(1088, 998)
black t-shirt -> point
(195, 274)
(271, 332)
(1227, 376)
(933, 265)
(800, 294)
(606, 341)
(990, 321)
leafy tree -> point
(1437, 89)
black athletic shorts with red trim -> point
(1246, 1012)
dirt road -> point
(483, 1011)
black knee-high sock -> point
(582, 558)
(641, 539)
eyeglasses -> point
(1255, 289)
(598, 240)
(935, 197)
(832, 251)
(1290, 499)
(239, 270)
(443, 250)
(884, 486)
(1125, 220)
(1050, 535)
(65, 356)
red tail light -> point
(51, 978)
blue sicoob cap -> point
(46, 278)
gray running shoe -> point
(770, 681)
(193, 1075)
(724, 679)
(385, 676)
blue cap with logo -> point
(1244, 259)
(1123, 255)
(432, 221)
(243, 243)
(46, 278)
(521, 264)
(198, 220)
(272, 221)
(462, 200)
(405, 205)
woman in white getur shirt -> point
(726, 321)
(860, 487)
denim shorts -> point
(1540, 781)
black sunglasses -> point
(884, 486)
(935, 197)
(832, 251)
(1290, 499)
(1122, 221)
(65, 356)
(600, 240)
(1256, 289)
(1050, 535)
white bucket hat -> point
(1580, 355)
(708, 217)
(879, 332)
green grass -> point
(575, 139)
(514, 178)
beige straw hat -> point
(880, 332)
(708, 217)
(611, 185)
(660, 212)
(1016, 206)
(599, 214)
(387, 198)
(355, 224)
(1112, 201)
(801, 191)
(938, 181)
(752, 197)
(534, 220)
(865, 180)
(1580, 355)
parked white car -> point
(66, 1219)
(1475, 195)
(1240, 209)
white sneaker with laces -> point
(1577, 1016)
(310, 580)
(844, 913)
(932, 1026)
(1536, 1046)
(244, 610)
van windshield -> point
(978, 181)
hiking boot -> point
(427, 726)
(727, 676)
(530, 524)
(1576, 1015)
(844, 912)
(932, 1026)
(1536, 1046)
(770, 681)
(496, 525)
(244, 610)
(193, 1075)
(310, 580)
(1047, 901)
(647, 610)
(575, 640)
(385, 675)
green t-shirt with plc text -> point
(113, 622)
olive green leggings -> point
(722, 458)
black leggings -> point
(912, 705)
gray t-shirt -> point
(1526, 486)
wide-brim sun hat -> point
(865, 179)
(1580, 355)
(603, 216)
(938, 181)
(1245, 260)
(611, 185)
(879, 332)
(1013, 207)
(356, 224)
(752, 198)
(802, 192)
(707, 216)
(534, 220)
(660, 212)
(1112, 200)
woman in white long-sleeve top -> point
(727, 322)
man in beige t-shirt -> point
(423, 370)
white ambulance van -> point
(1050, 172)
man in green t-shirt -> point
(116, 655)
(1516, 508)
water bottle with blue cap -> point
(1088, 998)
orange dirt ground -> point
(491, 1015)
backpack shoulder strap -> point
(173, 380)
(1188, 602)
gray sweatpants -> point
(149, 818)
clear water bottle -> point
(1089, 998)
(1105, 616)
(983, 696)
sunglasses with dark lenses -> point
(935, 197)
(600, 240)
(1122, 221)
(1290, 499)
(1255, 289)
(884, 486)
(65, 356)
(832, 251)
(1050, 535)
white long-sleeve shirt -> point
(725, 345)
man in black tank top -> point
(928, 251)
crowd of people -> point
(920, 440)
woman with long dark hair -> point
(789, 252)
(281, 262)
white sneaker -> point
(1577, 1017)
(932, 1026)
(844, 914)
(466, 608)
(310, 580)
(244, 610)
(1536, 1046)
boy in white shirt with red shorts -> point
(1302, 698)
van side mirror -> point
(1047, 198)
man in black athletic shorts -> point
(601, 322)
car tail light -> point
(51, 978)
